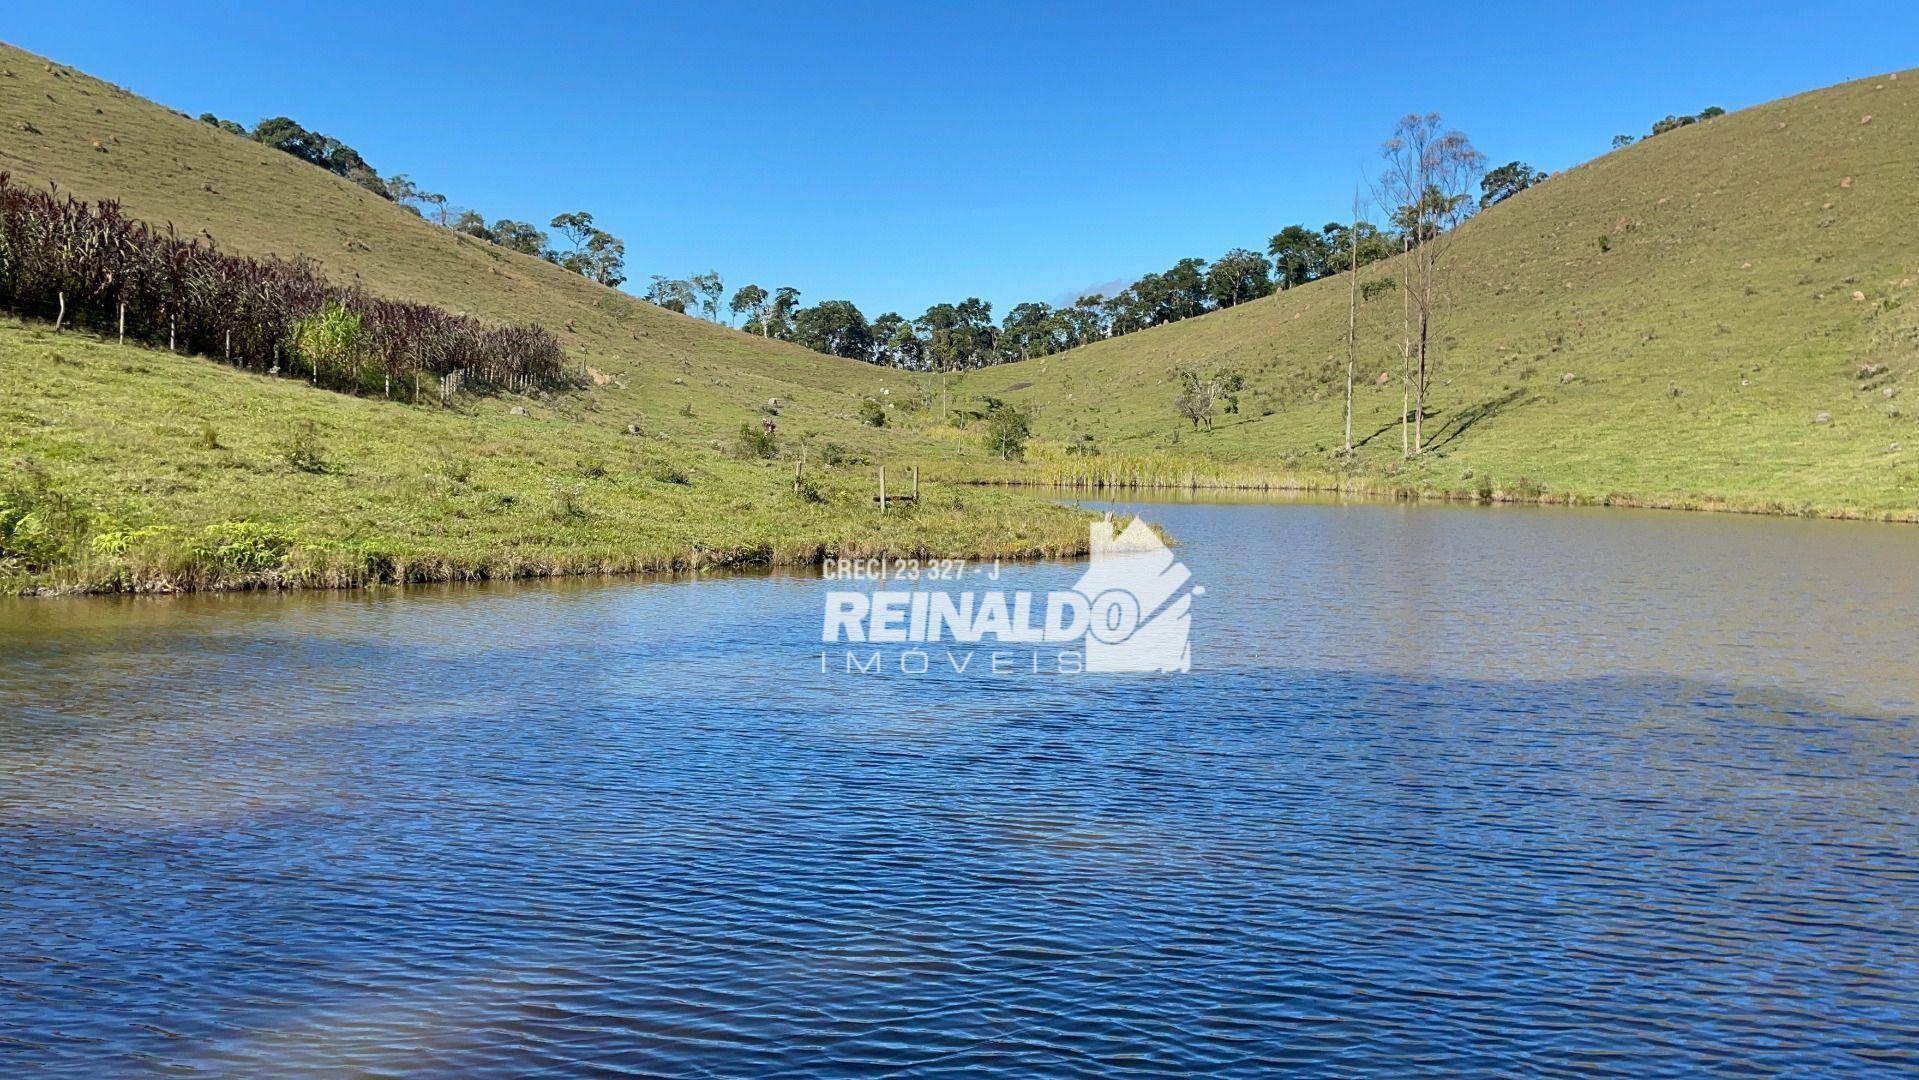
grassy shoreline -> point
(1192, 475)
(319, 568)
(1613, 500)
(137, 470)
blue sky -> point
(901, 154)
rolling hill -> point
(136, 468)
(97, 141)
(1721, 315)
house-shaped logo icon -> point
(1141, 620)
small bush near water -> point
(1526, 489)
(87, 264)
(1084, 446)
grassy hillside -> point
(1665, 324)
(151, 470)
(256, 200)
(156, 471)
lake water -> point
(1449, 789)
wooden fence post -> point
(882, 489)
(916, 484)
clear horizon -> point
(905, 159)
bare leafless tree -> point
(1430, 171)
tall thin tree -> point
(1352, 321)
(1405, 343)
(1429, 171)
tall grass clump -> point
(40, 526)
(88, 264)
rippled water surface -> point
(1455, 790)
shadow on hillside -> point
(1465, 419)
(1461, 422)
(1390, 425)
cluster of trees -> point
(1660, 127)
(958, 336)
(1506, 181)
(589, 251)
(1426, 193)
(962, 335)
(90, 264)
(285, 134)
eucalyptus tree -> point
(711, 290)
(750, 301)
(1126, 312)
(834, 327)
(958, 336)
(1238, 276)
(1028, 331)
(1352, 314)
(1185, 289)
(1430, 170)
(1299, 253)
(673, 294)
(470, 223)
(897, 343)
(520, 236)
(1372, 242)
(780, 311)
(1087, 317)
(595, 253)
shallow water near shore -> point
(1448, 788)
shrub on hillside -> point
(303, 449)
(669, 473)
(1007, 428)
(757, 443)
